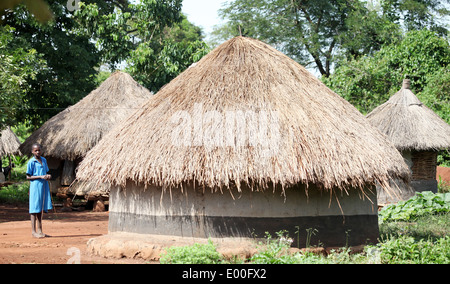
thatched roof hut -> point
(9, 145)
(9, 142)
(70, 134)
(416, 131)
(410, 124)
(197, 136)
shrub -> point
(407, 250)
(195, 254)
(15, 193)
(423, 203)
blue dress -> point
(40, 198)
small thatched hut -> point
(69, 135)
(245, 142)
(417, 132)
(9, 145)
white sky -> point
(203, 13)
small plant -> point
(309, 233)
(275, 251)
(195, 254)
(443, 186)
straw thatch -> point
(9, 143)
(323, 140)
(409, 124)
(73, 132)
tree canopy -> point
(319, 33)
(53, 53)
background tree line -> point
(362, 49)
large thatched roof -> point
(74, 131)
(409, 124)
(187, 131)
(9, 143)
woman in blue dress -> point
(40, 199)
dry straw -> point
(409, 124)
(323, 140)
(73, 132)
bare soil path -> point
(68, 231)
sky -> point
(203, 13)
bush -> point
(195, 254)
(423, 203)
(407, 250)
(15, 193)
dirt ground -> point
(69, 233)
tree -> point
(323, 32)
(422, 56)
(417, 14)
(182, 45)
(367, 82)
(118, 27)
(152, 37)
(19, 63)
(74, 44)
(71, 60)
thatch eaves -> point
(73, 132)
(9, 143)
(409, 124)
(320, 138)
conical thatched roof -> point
(9, 143)
(409, 124)
(74, 131)
(314, 136)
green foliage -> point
(369, 81)
(417, 14)
(324, 32)
(195, 254)
(153, 37)
(20, 62)
(15, 194)
(443, 186)
(155, 69)
(407, 250)
(51, 65)
(308, 31)
(70, 60)
(423, 203)
(274, 251)
(119, 28)
(429, 227)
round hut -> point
(245, 142)
(417, 132)
(9, 145)
(69, 135)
